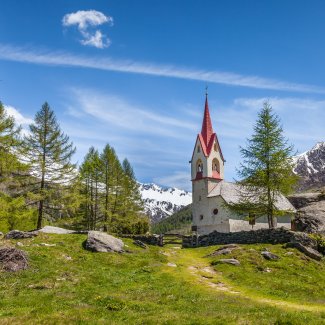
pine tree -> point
(49, 152)
(267, 168)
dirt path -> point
(201, 272)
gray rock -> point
(269, 256)
(56, 230)
(224, 250)
(13, 260)
(102, 242)
(231, 261)
(308, 251)
(140, 244)
(17, 234)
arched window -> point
(215, 147)
(199, 166)
(198, 148)
(215, 165)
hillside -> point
(162, 202)
(67, 285)
(180, 221)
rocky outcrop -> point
(310, 166)
(98, 241)
(17, 234)
(56, 230)
(270, 256)
(310, 215)
(231, 261)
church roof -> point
(231, 193)
(207, 129)
(207, 136)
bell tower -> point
(207, 167)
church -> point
(211, 193)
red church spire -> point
(207, 130)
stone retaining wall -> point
(263, 236)
(157, 240)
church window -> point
(198, 149)
(215, 211)
(199, 197)
(215, 165)
(201, 217)
(199, 166)
(215, 147)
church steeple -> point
(207, 130)
(207, 159)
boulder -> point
(140, 244)
(17, 234)
(231, 261)
(12, 259)
(56, 230)
(308, 251)
(269, 256)
(98, 241)
(223, 250)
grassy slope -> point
(139, 287)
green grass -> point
(139, 288)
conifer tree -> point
(91, 176)
(267, 168)
(112, 174)
(49, 152)
(132, 202)
(9, 142)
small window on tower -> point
(199, 197)
(215, 211)
(215, 147)
(198, 149)
(201, 217)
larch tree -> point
(48, 152)
(91, 176)
(267, 168)
(112, 174)
(9, 142)
(132, 201)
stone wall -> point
(263, 236)
(153, 239)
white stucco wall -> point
(225, 220)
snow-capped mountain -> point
(310, 166)
(163, 202)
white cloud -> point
(19, 118)
(120, 114)
(85, 20)
(11, 53)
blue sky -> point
(133, 74)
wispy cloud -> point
(124, 116)
(57, 58)
(18, 116)
(85, 20)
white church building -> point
(211, 193)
